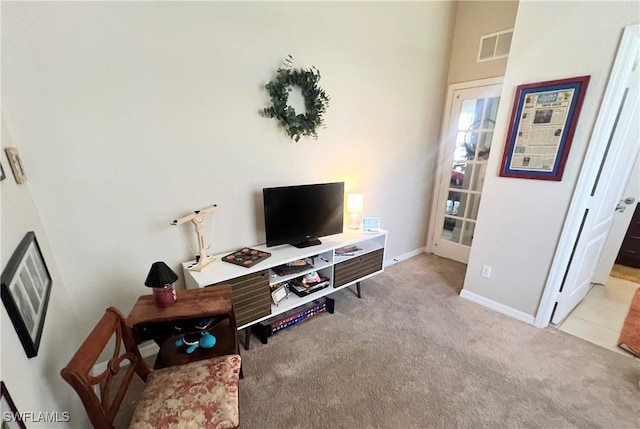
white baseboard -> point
(148, 349)
(404, 256)
(496, 306)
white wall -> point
(520, 220)
(35, 384)
(474, 19)
(131, 114)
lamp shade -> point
(354, 209)
(354, 203)
(160, 275)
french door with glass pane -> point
(468, 143)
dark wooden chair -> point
(168, 392)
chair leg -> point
(247, 337)
(238, 352)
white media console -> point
(252, 286)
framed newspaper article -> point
(542, 125)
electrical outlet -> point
(486, 271)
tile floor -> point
(599, 318)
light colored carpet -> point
(627, 273)
(412, 354)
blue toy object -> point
(202, 339)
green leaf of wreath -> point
(316, 101)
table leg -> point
(358, 290)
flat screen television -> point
(298, 215)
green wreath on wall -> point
(316, 100)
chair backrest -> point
(103, 409)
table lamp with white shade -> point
(354, 209)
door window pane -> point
(461, 175)
(461, 152)
(469, 144)
(475, 141)
(456, 203)
(457, 174)
(492, 112)
(474, 203)
(467, 235)
(478, 177)
(451, 229)
(470, 113)
(484, 145)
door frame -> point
(596, 153)
(442, 148)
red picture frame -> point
(543, 122)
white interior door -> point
(621, 223)
(463, 165)
(618, 132)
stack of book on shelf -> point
(290, 318)
(296, 316)
(309, 283)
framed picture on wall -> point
(25, 287)
(16, 164)
(10, 416)
(543, 121)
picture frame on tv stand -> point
(279, 294)
(370, 224)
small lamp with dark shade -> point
(161, 279)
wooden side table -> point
(167, 324)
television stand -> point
(306, 243)
(345, 259)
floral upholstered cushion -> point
(198, 395)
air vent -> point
(495, 45)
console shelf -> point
(251, 286)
